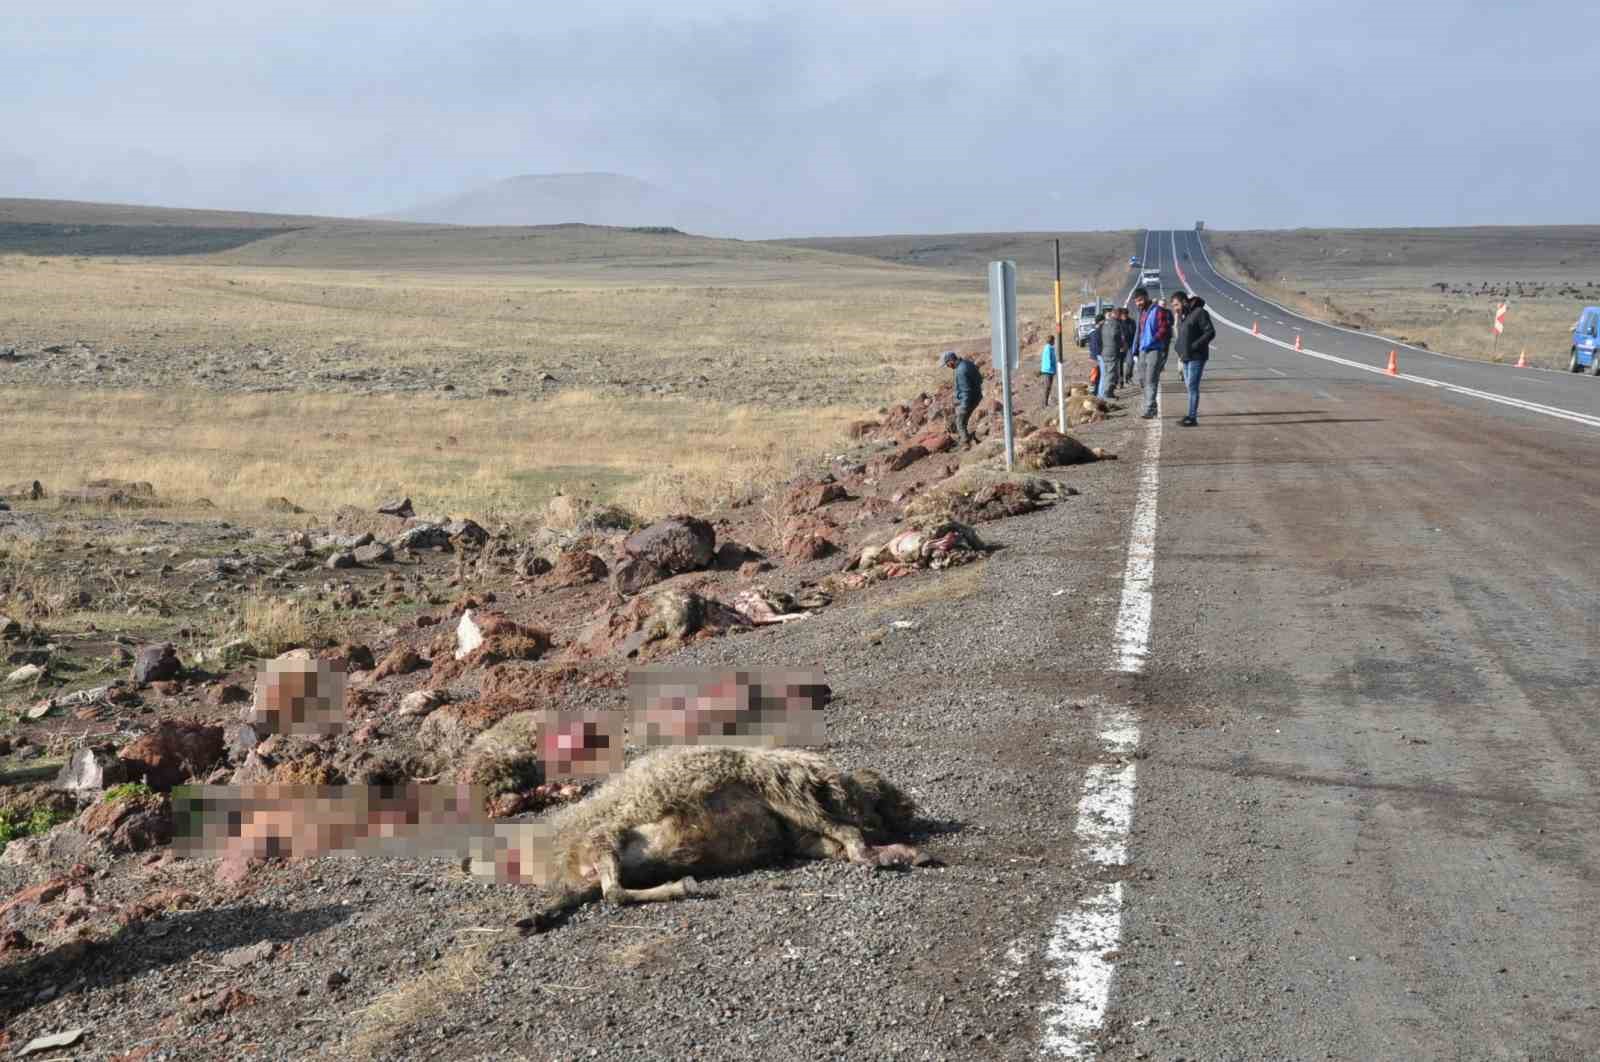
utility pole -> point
(1003, 338)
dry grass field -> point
(1437, 287)
(476, 369)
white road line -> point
(1280, 372)
(1077, 955)
(1505, 400)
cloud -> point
(819, 118)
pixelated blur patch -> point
(264, 821)
(747, 708)
(299, 695)
(584, 743)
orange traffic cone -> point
(1297, 342)
(1522, 359)
(1394, 364)
(1255, 328)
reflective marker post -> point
(1003, 338)
(1061, 344)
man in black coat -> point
(1192, 337)
(969, 392)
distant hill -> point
(581, 198)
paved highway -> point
(1368, 813)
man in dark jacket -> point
(1195, 332)
(1130, 349)
(1112, 349)
(1154, 336)
(969, 392)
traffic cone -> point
(1297, 342)
(1394, 364)
(1255, 328)
(1522, 359)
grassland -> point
(326, 361)
(1438, 287)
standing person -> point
(1110, 355)
(1047, 367)
(1131, 358)
(1194, 336)
(1097, 369)
(969, 392)
(1154, 335)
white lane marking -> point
(1083, 941)
(1472, 392)
(1280, 372)
(1133, 619)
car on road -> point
(1150, 277)
(1133, 261)
(1585, 336)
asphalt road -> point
(1366, 824)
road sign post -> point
(1003, 338)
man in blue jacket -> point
(1155, 336)
(969, 392)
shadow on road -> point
(134, 950)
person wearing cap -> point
(969, 392)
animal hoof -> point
(689, 886)
(895, 855)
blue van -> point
(1585, 336)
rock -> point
(156, 663)
(29, 491)
(348, 657)
(808, 497)
(423, 537)
(903, 459)
(129, 824)
(564, 512)
(337, 979)
(632, 574)
(90, 770)
(344, 558)
(400, 507)
(10, 629)
(731, 556)
(25, 673)
(401, 660)
(53, 1042)
(249, 955)
(468, 635)
(421, 702)
(937, 442)
(226, 693)
(375, 553)
(676, 544)
(466, 531)
(282, 505)
(173, 753)
(577, 568)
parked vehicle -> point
(1150, 278)
(1086, 315)
(1585, 336)
(1133, 261)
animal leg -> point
(608, 864)
(857, 850)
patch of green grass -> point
(15, 826)
(127, 791)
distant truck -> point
(1150, 278)
(1585, 336)
(1133, 261)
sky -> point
(822, 118)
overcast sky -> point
(823, 118)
